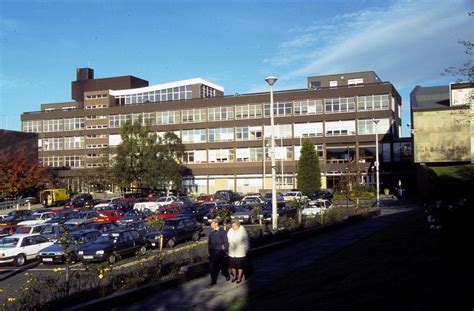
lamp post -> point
(271, 81)
(376, 122)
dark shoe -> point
(233, 280)
(227, 278)
(212, 284)
(238, 281)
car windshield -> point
(104, 238)
(291, 194)
(133, 213)
(243, 208)
(8, 242)
(169, 225)
(21, 230)
(33, 217)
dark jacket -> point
(217, 239)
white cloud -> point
(408, 43)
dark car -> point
(103, 226)
(174, 231)
(15, 217)
(53, 231)
(134, 215)
(197, 212)
(62, 217)
(79, 201)
(321, 194)
(268, 196)
(112, 246)
(55, 253)
(246, 213)
(282, 210)
(141, 226)
(227, 196)
(219, 209)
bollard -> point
(29, 205)
(161, 243)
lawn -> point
(404, 267)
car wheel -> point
(141, 251)
(72, 257)
(111, 258)
(196, 236)
(19, 260)
(171, 243)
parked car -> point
(294, 195)
(316, 207)
(167, 212)
(197, 212)
(218, 209)
(79, 201)
(83, 218)
(55, 253)
(268, 196)
(102, 204)
(227, 195)
(37, 218)
(176, 230)
(53, 231)
(15, 217)
(62, 217)
(245, 213)
(103, 226)
(109, 216)
(151, 206)
(112, 246)
(134, 215)
(7, 230)
(31, 229)
(204, 198)
(321, 194)
(163, 201)
(19, 248)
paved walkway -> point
(197, 295)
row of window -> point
(175, 93)
(222, 113)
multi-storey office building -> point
(226, 137)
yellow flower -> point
(101, 276)
(1, 290)
(57, 269)
(11, 299)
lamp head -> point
(271, 80)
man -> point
(218, 247)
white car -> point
(316, 207)
(294, 195)
(166, 200)
(30, 229)
(152, 206)
(37, 218)
(106, 203)
(19, 248)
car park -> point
(56, 253)
(102, 204)
(53, 231)
(151, 206)
(317, 207)
(227, 196)
(197, 212)
(134, 215)
(204, 198)
(37, 218)
(167, 212)
(7, 230)
(268, 196)
(19, 248)
(31, 229)
(294, 195)
(163, 201)
(217, 210)
(325, 194)
(112, 246)
(79, 201)
(102, 226)
(109, 216)
(174, 231)
(62, 217)
(245, 213)
(15, 217)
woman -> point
(238, 247)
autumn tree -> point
(20, 174)
(309, 171)
(145, 159)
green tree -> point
(309, 171)
(466, 70)
(143, 159)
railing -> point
(15, 204)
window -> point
(54, 161)
(341, 154)
(281, 131)
(315, 84)
(340, 128)
(195, 156)
(194, 136)
(308, 129)
(251, 111)
(355, 81)
(73, 143)
(373, 102)
(334, 105)
(221, 134)
(279, 109)
(319, 151)
(193, 115)
(248, 133)
(221, 155)
(73, 124)
(332, 83)
(220, 113)
(367, 126)
(56, 143)
(33, 126)
(55, 125)
(308, 107)
(168, 117)
(249, 154)
(116, 121)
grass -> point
(404, 267)
(463, 173)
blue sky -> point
(235, 44)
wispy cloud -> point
(407, 43)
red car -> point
(167, 212)
(7, 230)
(109, 216)
(205, 198)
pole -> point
(282, 159)
(377, 160)
(271, 81)
(264, 162)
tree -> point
(20, 174)
(309, 171)
(146, 160)
(466, 70)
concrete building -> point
(226, 137)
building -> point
(226, 136)
(442, 127)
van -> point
(54, 197)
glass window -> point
(367, 126)
(251, 111)
(221, 134)
(340, 128)
(279, 109)
(308, 129)
(194, 136)
(221, 155)
(220, 113)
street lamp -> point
(376, 122)
(271, 81)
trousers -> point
(217, 263)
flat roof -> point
(166, 86)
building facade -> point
(226, 137)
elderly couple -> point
(234, 244)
